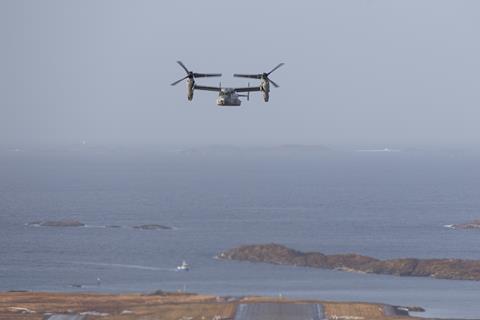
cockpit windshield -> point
(226, 92)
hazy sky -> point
(357, 72)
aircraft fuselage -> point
(227, 97)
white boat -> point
(183, 267)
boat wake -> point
(120, 265)
(76, 224)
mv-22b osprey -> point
(228, 96)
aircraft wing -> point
(207, 88)
(247, 89)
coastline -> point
(171, 305)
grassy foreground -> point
(168, 306)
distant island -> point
(456, 269)
(58, 223)
(475, 224)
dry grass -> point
(164, 307)
(336, 310)
(171, 306)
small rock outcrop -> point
(152, 227)
(58, 223)
(475, 224)
(457, 269)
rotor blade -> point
(279, 65)
(183, 66)
(272, 82)
(253, 76)
(174, 83)
(204, 75)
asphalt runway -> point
(279, 311)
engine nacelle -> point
(265, 87)
(190, 86)
(265, 96)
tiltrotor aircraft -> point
(228, 96)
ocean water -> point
(382, 204)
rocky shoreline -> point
(454, 269)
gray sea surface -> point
(385, 204)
